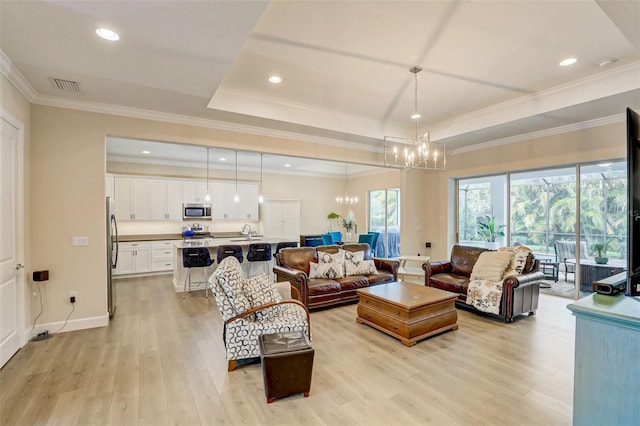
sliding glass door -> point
(542, 216)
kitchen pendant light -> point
(207, 197)
(346, 199)
(236, 196)
(260, 197)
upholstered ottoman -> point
(287, 363)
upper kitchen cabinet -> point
(165, 199)
(108, 186)
(194, 191)
(132, 198)
(248, 206)
(225, 208)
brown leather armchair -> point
(519, 293)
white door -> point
(11, 235)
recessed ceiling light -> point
(287, 165)
(223, 159)
(568, 61)
(145, 152)
(275, 79)
(415, 116)
(606, 62)
(107, 34)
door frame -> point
(20, 239)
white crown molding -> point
(198, 122)
(618, 80)
(16, 78)
(541, 133)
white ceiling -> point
(490, 67)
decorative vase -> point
(348, 236)
(601, 260)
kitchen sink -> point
(235, 240)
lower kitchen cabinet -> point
(133, 258)
(162, 255)
(139, 257)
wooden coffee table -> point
(407, 311)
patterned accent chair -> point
(253, 307)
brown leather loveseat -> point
(293, 265)
(519, 293)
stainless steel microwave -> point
(196, 211)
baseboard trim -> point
(72, 325)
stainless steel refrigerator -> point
(112, 254)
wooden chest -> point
(407, 311)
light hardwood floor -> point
(161, 361)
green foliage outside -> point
(542, 213)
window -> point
(481, 200)
(384, 217)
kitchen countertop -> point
(149, 237)
(158, 237)
(215, 242)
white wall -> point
(67, 187)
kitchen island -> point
(179, 272)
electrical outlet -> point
(73, 296)
(80, 241)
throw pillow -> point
(330, 271)
(518, 259)
(261, 290)
(491, 265)
(229, 275)
(366, 267)
(354, 259)
(324, 257)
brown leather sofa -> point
(519, 293)
(292, 264)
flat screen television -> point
(633, 187)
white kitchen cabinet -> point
(225, 208)
(108, 186)
(219, 209)
(132, 198)
(194, 191)
(162, 255)
(165, 198)
(281, 219)
(133, 258)
(248, 207)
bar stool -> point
(285, 244)
(259, 252)
(229, 250)
(196, 257)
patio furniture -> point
(567, 250)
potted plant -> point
(331, 217)
(600, 251)
(349, 225)
(488, 231)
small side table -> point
(412, 273)
(287, 364)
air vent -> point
(66, 85)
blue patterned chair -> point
(252, 307)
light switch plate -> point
(80, 241)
